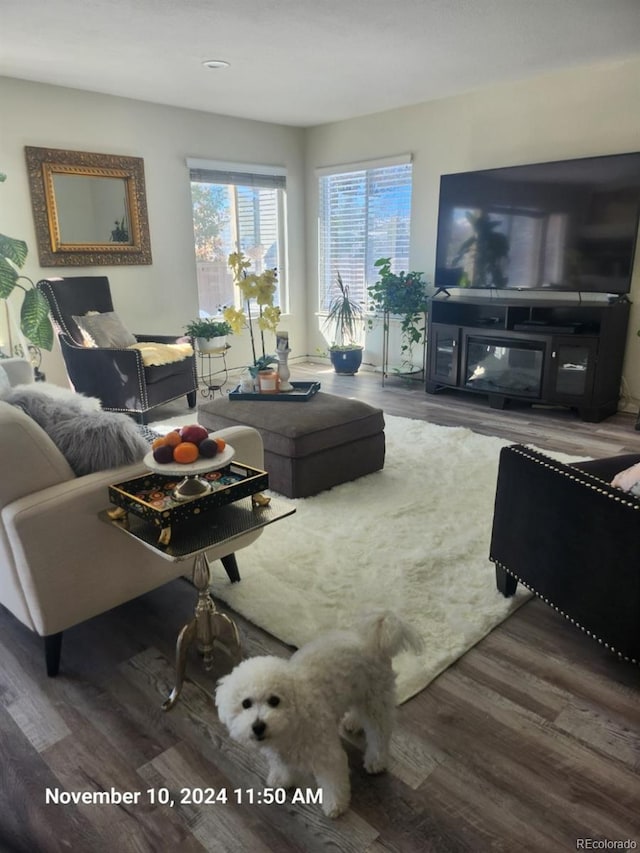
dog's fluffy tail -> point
(383, 631)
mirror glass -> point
(89, 209)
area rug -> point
(413, 538)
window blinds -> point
(364, 214)
(237, 174)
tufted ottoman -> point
(308, 446)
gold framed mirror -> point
(89, 209)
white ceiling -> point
(306, 62)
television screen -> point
(569, 225)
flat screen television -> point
(570, 225)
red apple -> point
(193, 433)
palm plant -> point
(345, 316)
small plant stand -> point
(417, 375)
(212, 377)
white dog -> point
(292, 709)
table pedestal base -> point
(205, 629)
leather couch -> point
(567, 535)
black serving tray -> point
(150, 496)
(302, 391)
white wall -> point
(578, 113)
(161, 297)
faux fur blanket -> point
(156, 354)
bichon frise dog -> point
(291, 710)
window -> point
(236, 208)
(364, 214)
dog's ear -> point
(222, 699)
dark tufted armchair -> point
(117, 376)
(573, 540)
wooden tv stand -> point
(560, 352)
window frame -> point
(251, 176)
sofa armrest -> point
(67, 563)
(572, 539)
(247, 443)
(29, 460)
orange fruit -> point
(185, 452)
(160, 441)
(221, 444)
(172, 438)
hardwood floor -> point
(530, 742)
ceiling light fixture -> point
(216, 63)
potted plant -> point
(35, 324)
(258, 291)
(210, 334)
(345, 318)
(403, 294)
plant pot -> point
(211, 344)
(346, 361)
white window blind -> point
(236, 208)
(364, 214)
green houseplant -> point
(403, 294)
(209, 333)
(35, 324)
(345, 319)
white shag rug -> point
(413, 538)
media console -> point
(558, 352)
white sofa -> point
(59, 563)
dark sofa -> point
(573, 540)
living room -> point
(477, 757)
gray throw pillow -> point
(98, 441)
(106, 329)
(43, 394)
(91, 440)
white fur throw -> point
(65, 396)
(90, 439)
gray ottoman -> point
(308, 446)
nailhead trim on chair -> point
(597, 485)
(566, 616)
(610, 492)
